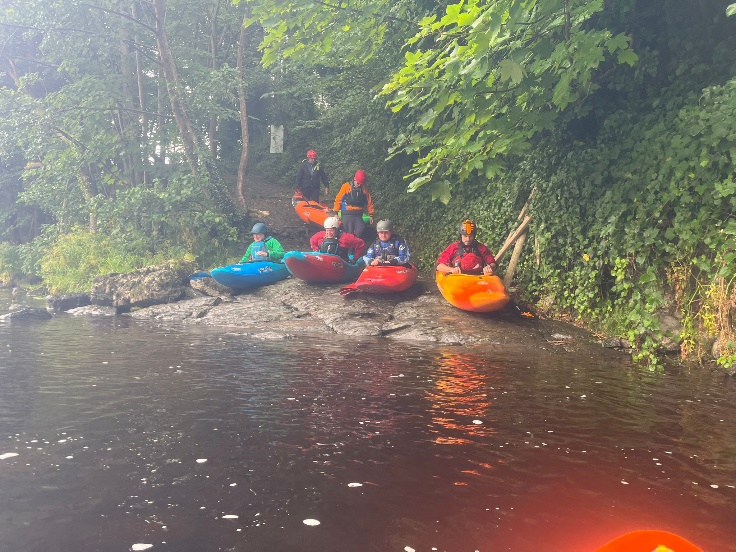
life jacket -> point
(355, 198)
(391, 251)
(259, 246)
(468, 257)
(332, 246)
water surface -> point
(116, 434)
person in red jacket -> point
(467, 256)
(333, 240)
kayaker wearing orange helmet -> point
(352, 199)
(467, 256)
(309, 177)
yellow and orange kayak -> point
(649, 541)
(470, 292)
(311, 211)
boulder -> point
(67, 302)
(152, 285)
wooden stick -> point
(514, 259)
(513, 237)
(523, 209)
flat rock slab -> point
(294, 308)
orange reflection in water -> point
(461, 404)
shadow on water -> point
(115, 434)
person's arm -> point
(275, 250)
(300, 176)
(338, 199)
(403, 252)
(369, 207)
(354, 243)
(325, 180)
(488, 259)
(316, 240)
(443, 263)
(370, 255)
(246, 257)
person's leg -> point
(353, 224)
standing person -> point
(264, 247)
(309, 177)
(335, 241)
(467, 256)
(388, 248)
(352, 199)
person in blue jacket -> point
(264, 247)
(389, 248)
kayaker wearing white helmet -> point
(333, 240)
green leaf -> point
(511, 70)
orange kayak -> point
(649, 541)
(311, 211)
(471, 292)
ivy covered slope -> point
(635, 177)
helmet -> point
(332, 222)
(311, 154)
(384, 226)
(259, 228)
(468, 228)
(360, 177)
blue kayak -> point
(249, 275)
(322, 267)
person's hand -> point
(456, 270)
(262, 253)
(375, 262)
(370, 220)
(488, 269)
(327, 190)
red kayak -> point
(383, 279)
(322, 267)
(649, 541)
(311, 211)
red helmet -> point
(360, 177)
(311, 154)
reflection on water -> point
(460, 403)
(115, 434)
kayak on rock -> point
(316, 212)
(249, 275)
(471, 292)
(311, 211)
(383, 279)
(322, 267)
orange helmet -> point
(311, 154)
(468, 228)
(360, 177)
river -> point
(117, 434)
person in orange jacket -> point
(352, 200)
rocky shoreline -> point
(292, 308)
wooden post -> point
(514, 259)
(513, 237)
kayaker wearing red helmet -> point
(467, 256)
(352, 199)
(309, 176)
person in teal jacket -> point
(264, 247)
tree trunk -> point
(135, 12)
(175, 89)
(212, 130)
(240, 198)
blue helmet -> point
(259, 228)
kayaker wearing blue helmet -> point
(264, 247)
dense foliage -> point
(122, 139)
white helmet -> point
(332, 222)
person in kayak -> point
(336, 242)
(352, 199)
(467, 256)
(309, 177)
(388, 249)
(264, 247)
